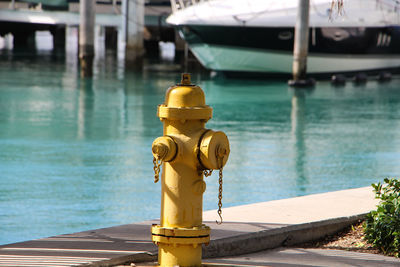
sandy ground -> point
(350, 239)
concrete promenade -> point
(261, 231)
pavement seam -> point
(134, 258)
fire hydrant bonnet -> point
(185, 101)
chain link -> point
(157, 165)
(207, 172)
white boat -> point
(257, 35)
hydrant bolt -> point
(160, 150)
(221, 152)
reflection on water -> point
(298, 120)
(75, 154)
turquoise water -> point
(75, 154)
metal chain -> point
(208, 173)
(157, 165)
(220, 197)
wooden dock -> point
(57, 17)
(23, 20)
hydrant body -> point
(186, 149)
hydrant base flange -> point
(169, 235)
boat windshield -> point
(181, 4)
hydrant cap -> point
(185, 94)
(185, 101)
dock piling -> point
(111, 38)
(59, 37)
(23, 39)
(86, 36)
(300, 50)
(134, 26)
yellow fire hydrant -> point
(188, 151)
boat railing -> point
(182, 4)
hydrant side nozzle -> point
(164, 148)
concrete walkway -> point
(246, 229)
(297, 257)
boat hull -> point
(269, 50)
(221, 58)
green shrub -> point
(382, 226)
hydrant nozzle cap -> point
(214, 150)
(164, 148)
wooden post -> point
(300, 50)
(134, 30)
(86, 36)
(59, 37)
(111, 38)
(122, 31)
(24, 39)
